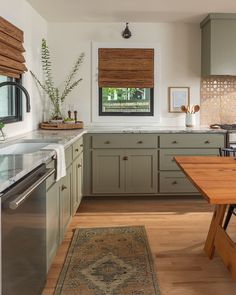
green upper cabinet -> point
(218, 44)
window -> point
(125, 101)
(10, 102)
(126, 81)
(12, 66)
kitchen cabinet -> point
(77, 175)
(141, 171)
(124, 171)
(77, 180)
(65, 201)
(175, 182)
(167, 161)
(108, 171)
(139, 164)
(218, 52)
(63, 198)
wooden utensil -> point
(196, 108)
(184, 109)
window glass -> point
(125, 101)
(10, 101)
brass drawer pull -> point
(174, 182)
(207, 142)
(174, 141)
(76, 150)
(63, 187)
(125, 158)
(140, 141)
(107, 142)
(79, 165)
(81, 145)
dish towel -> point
(60, 157)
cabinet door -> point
(65, 201)
(108, 171)
(141, 171)
(77, 183)
(53, 222)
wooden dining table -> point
(215, 178)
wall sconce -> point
(126, 33)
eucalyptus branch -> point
(72, 74)
(48, 84)
(70, 88)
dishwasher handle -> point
(23, 196)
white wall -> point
(22, 15)
(180, 59)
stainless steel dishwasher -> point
(23, 241)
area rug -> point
(108, 261)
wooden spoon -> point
(184, 109)
(196, 108)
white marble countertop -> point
(14, 167)
(154, 129)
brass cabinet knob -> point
(79, 165)
(76, 150)
(107, 142)
(174, 141)
(81, 145)
(63, 187)
(207, 141)
(125, 158)
(174, 182)
(140, 141)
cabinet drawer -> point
(68, 156)
(51, 179)
(167, 161)
(77, 148)
(124, 141)
(175, 182)
(192, 140)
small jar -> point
(190, 120)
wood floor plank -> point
(177, 230)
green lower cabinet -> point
(77, 180)
(175, 182)
(167, 161)
(65, 201)
(141, 171)
(132, 171)
(53, 222)
(108, 172)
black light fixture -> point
(126, 33)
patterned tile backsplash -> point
(218, 100)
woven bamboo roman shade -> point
(11, 50)
(126, 67)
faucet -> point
(22, 89)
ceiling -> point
(185, 11)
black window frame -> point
(18, 102)
(130, 114)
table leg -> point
(217, 220)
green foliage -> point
(1, 125)
(121, 93)
(57, 97)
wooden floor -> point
(176, 229)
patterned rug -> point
(108, 261)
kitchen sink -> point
(26, 146)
